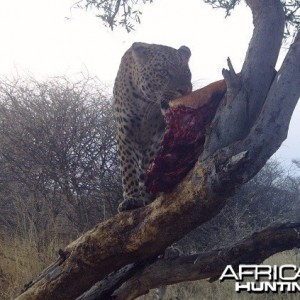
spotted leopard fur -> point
(149, 76)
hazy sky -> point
(44, 38)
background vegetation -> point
(59, 173)
(59, 177)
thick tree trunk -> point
(249, 127)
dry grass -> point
(21, 259)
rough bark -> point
(251, 250)
(234, 153)
(247, 95)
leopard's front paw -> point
(130, 204)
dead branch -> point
(251, 250)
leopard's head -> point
(161, 73)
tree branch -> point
(271, 127)
(234, 121)
(251, 250)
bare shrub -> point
(57, 154)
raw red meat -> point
(184, 138)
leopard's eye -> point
(163, 72)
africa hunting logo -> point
(264, 278)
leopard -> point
(149, 76)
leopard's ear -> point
(140, 51)
(185, 52)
